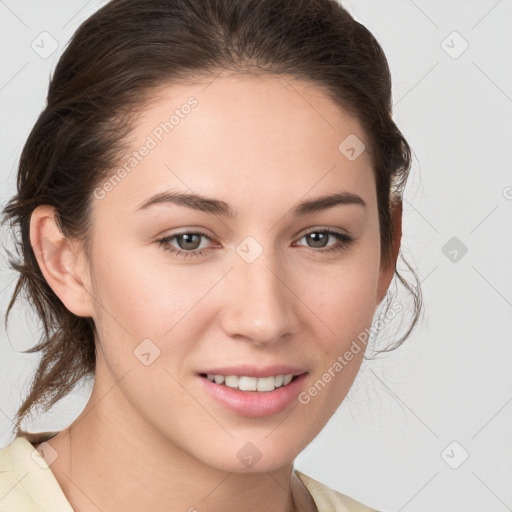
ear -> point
(387, 272)
(62, 262)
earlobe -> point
(387, 273)
(60, 262)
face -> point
(253, 284)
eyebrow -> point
(217, 207)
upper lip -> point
(253, 371)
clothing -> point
(27, 484)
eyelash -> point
(343, 243)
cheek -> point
(141, 299)
(345, 303)
(349, 305)
(347, 312)
(345, 307)
(345, 296)
(143, 294)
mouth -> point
(248, 383)
(250, 396)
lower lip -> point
(255, 404)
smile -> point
(246, 383)
(254, 396)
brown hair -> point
(116, 59)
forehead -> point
(243, 137)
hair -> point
(112, 67)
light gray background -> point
(451, 381)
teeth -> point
(287, 379)
(247, 383)
(231, 381)
(244, 383)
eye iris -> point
(188, 237)
(318, 236)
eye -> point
(189, 242)
(320, 238)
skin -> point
(261, 144)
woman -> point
(210, 215)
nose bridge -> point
(259, 303)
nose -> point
(259, 302)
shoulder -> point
(329, 500)
(27, 484)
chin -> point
(244, 456)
